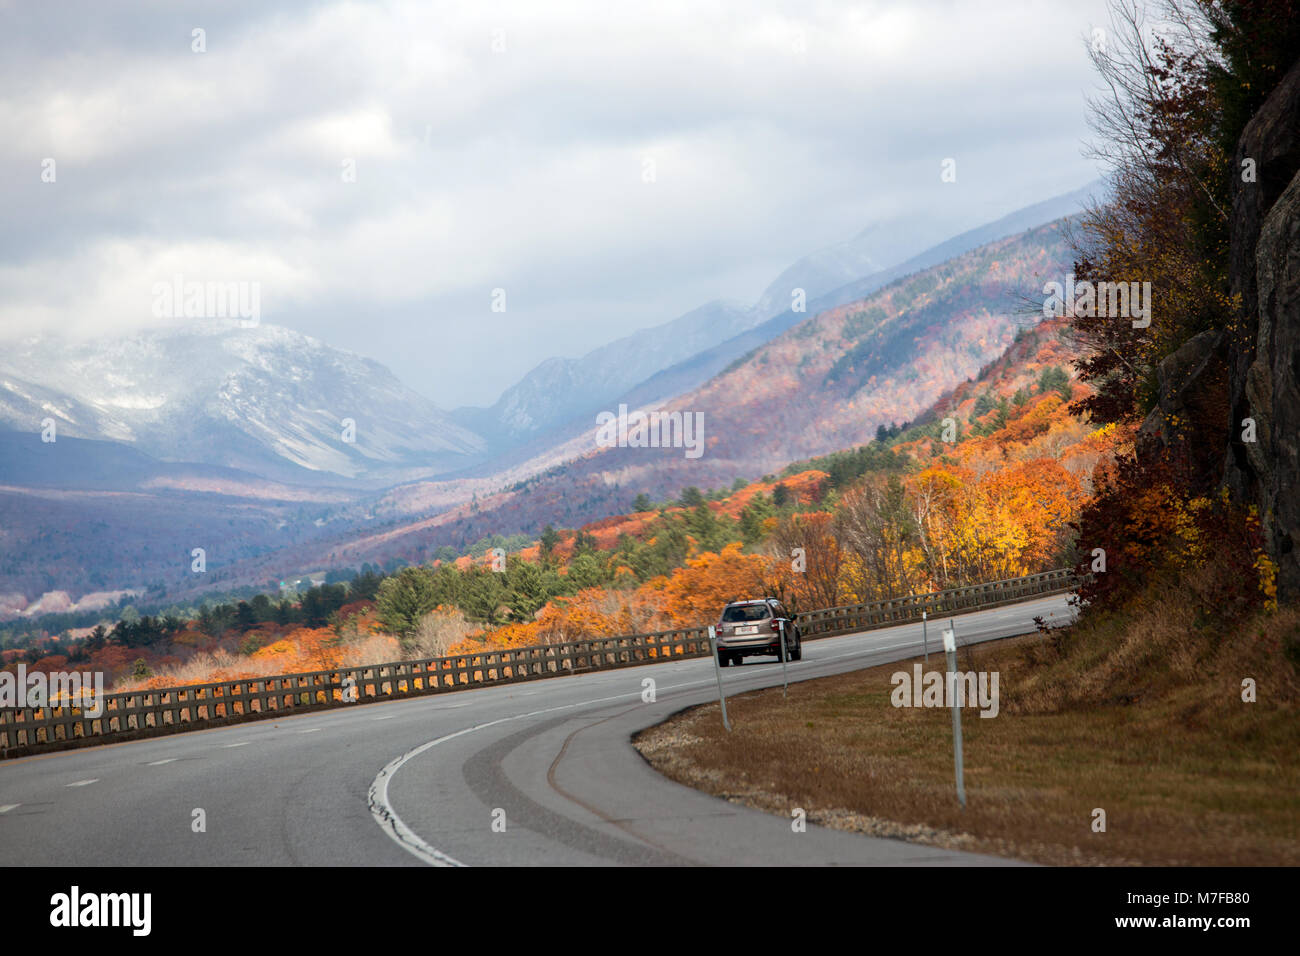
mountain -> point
(699, 368)
(1030, 217)
(871, 251)
(823, 385)
(262, 399)
(560, 390)
(229, 438)
(273, 402)
(558, 399)
(830, 381)
(88, 465)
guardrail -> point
(148, 713)
(862, 617)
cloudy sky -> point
(609, 165)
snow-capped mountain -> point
(262, 398)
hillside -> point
(557, 400)
(229, 438)
(826, 384)
(996, 501)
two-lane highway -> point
(534, 773)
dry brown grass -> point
(1170, 645)
(1144, 720)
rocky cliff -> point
(1263, 350)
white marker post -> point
(950, 647)
(785, 678)
(717, 672)
(925, 638)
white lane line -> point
(83, 783)
(396, 827)
(242, 743)
(9, 806)
(384, 717)
(309, 730)
(159, 763)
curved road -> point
(421, 781)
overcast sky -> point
(505, 145)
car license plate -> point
(747, 630)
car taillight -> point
(776, 625)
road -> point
(422, 781)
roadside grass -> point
(1142, 718)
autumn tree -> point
(696, 593)
(879, 533)
(808, 561)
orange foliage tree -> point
(695, 594)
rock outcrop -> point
(1190, 419)
(1273, 383)
(1264, 271)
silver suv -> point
(754, 627)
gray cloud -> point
(775, 129)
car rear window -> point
(744, 612)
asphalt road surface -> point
(424, 781)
